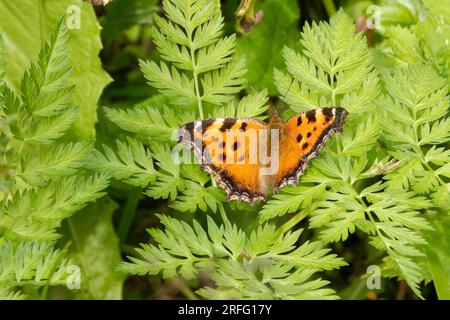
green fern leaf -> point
(334, 68)
(185, 250)
(156, 124)
(35, 263)
(133, 163)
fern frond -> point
(157, 124)
(6, 294)
(414, 117)
(291, 199)
(242, 281)
(435, 133)
(45, 87)
(49, 129)
(32, 263)
(165, 187)
(196, 196)
(361, 139)
(201, 63)
(42, 185)
(333, 67)
(185, 250)
(132, 163)
(45, 111)
(169, 82)
(296, 95)
(35, 214)
(220, 85)
(250, 106)
(168, 181)
(390, 217)
(397, 242)
(56, 161)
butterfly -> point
(249, 158)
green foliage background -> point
(93, 207)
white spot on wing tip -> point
(198, 125)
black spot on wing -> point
(197, 126)
(222, 157)
(336, 125)
(299, 138)
(299, 121)
(227, 124)
(328, 113)
(243, 126)
(311, 116)
(186, 133)
(235, 145)
(189, 127)
(205, 125)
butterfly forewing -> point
(303, 137)
(228, 149)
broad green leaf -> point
(263, 44)
(123, 14)
(2, 59)
(26, 24)
(438, 256)
(95, 246)
(394, 12)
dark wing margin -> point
(188, 136)
(339, 114)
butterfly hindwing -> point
(224, 148)
(303, 137)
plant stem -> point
(223, 214)
(330, 8)
(197, 93)
(288, 225)
(186, 291)
(195, 75)
(83, 262)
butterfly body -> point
(248, 158)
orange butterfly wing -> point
(228, 149)
(303, 137)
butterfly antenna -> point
(289, 88)
(272, 111)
